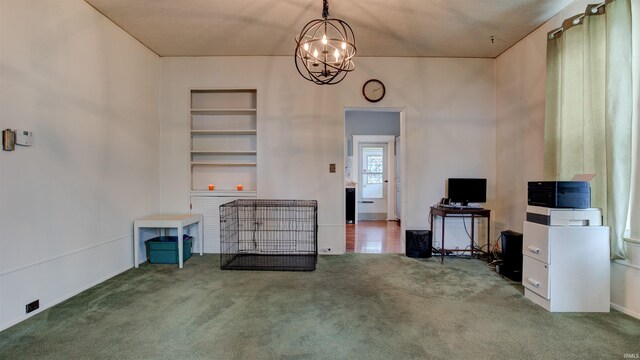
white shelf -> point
(198, 152)
(216, 163)
(223, 193)
(223, 111)
(223, 132)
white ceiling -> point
(422, 28)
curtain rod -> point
(592, 9)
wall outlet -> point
(34, 305)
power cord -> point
(465, 228)
(431, 213)
(497, 255)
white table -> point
(167, 221)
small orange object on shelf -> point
(211, 187)
(239, 187)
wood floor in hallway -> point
(374, 237)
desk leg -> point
(442, 251)
(489, 253)
(201, 235)
(431, 217)
(473, 225)
(180, 246)
(136, 242)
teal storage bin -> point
(164, 249)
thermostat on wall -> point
(24, 137)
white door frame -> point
(403, 167)
(391, 168)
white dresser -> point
(566, 268)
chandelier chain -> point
(325, 8)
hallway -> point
(373, 237)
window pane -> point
(374, 179)
(374, 163)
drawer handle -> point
(533, 282)
(534, 250)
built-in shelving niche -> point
(223, 139)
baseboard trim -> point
(372, 216)
(626, 263)
(44, 307)
(625, 310)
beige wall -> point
(90, 94)
(449, 132)
(520, 108)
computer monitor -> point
(465, 191)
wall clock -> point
(373, 90)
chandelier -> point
(325, 49)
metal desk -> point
(167, 221)
(472, 213)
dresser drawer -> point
(535, 276)
(535, 241)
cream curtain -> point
(634, 218)
(589, 110)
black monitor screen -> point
(467, 190)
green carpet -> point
(352, 307)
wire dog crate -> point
(277, 235)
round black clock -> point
(373, 90)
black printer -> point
(560, 194)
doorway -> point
(373, 164)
